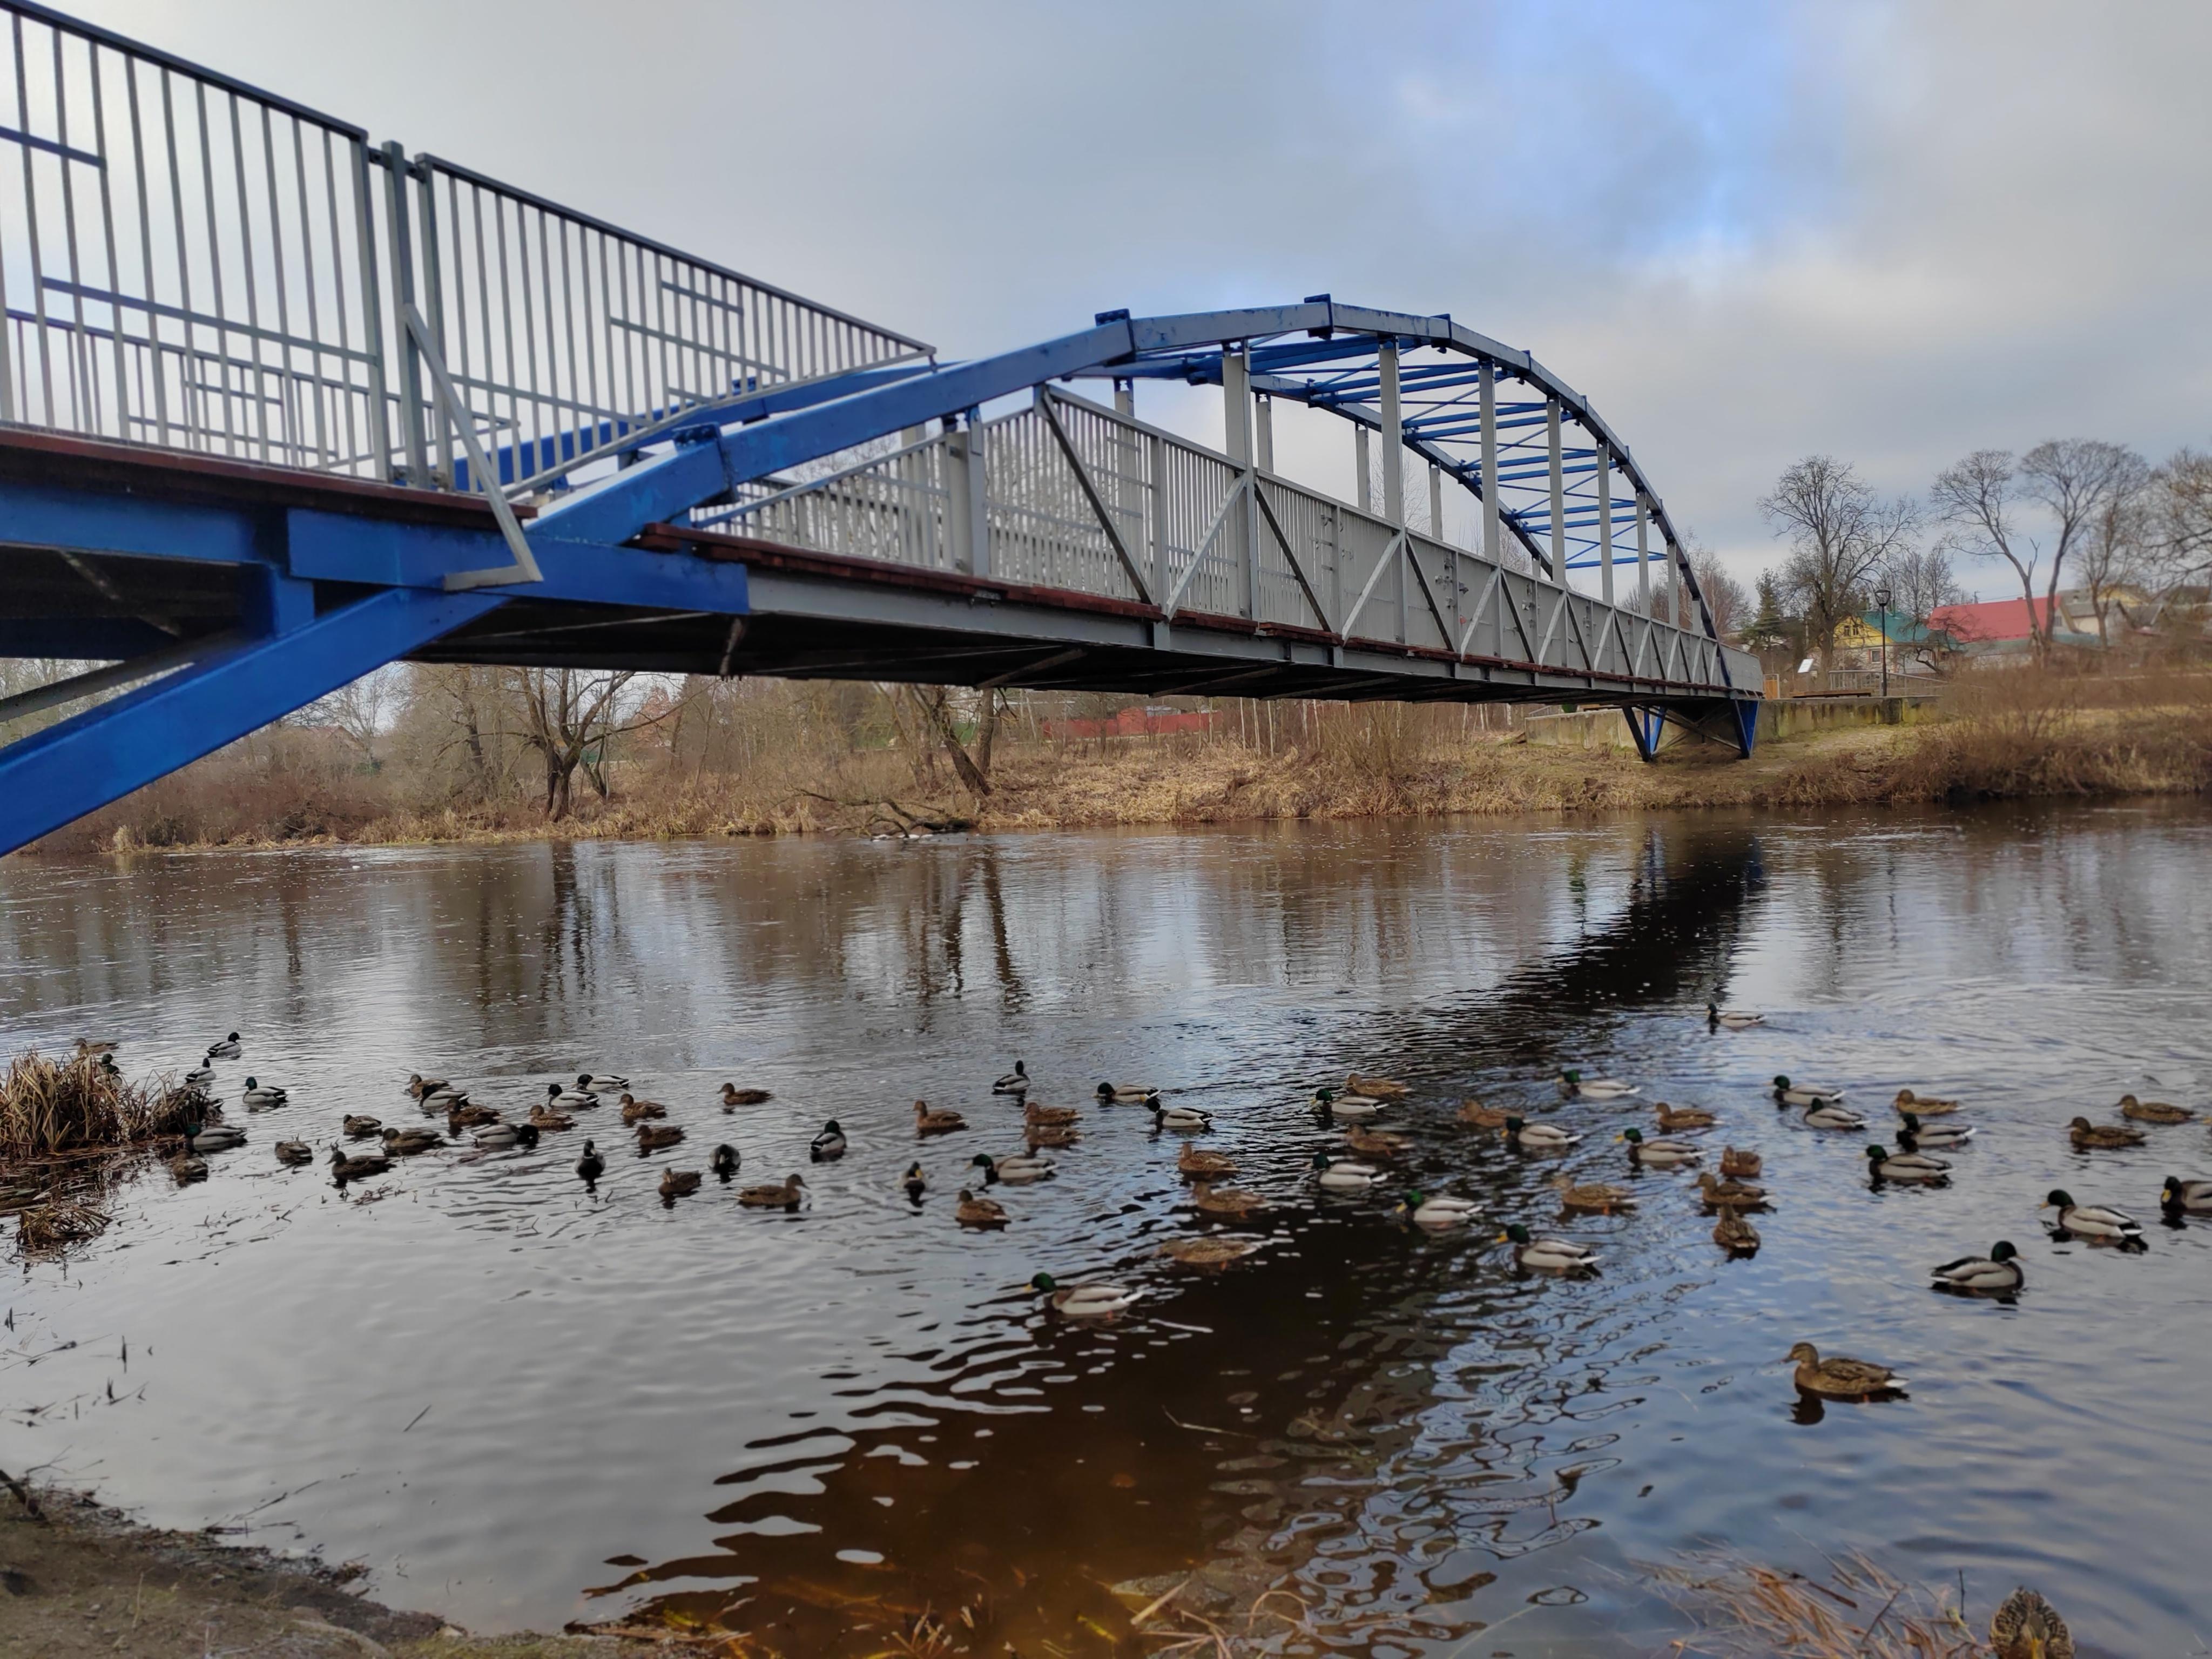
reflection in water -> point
(523, 1403)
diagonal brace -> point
(1090, 494)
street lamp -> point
(1882, 597)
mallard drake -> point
(733, 1096)
(2025, 1626)
(1804, 1094)
(916, 1181)
(828, 1146)
(1595, 1088)
(1374, 1088)
(1935, 1137)
(360, 1127)
(1050, 1134)
(1085, 1301)
(974, 1212)
(1730, 1194)
(1180, 1117)
(591, 1166)
(1672, 1118)
(263, 1096)
(1717, 1017)
(570, 1100)
(1537, 1137)
(1599, 1197)
(405, 1143)
(1216, 1252)
(1373, 1142)
(1841, 1377)
(1481, 1116)
(1923, 1105)
(1735, 1163)
(294, 1151)
(600, 1083)
(2143, 1111)
(2194, 1196)
(1052, 1116)
(634, 1111)
(1345, 1108)
(784, 1196)
(1832, 1116)
(418, 1085)
(2098, 1222)
(651, 1137)
(185, 1167)
(927, 1122)
(678, 1183)
(493, 1137)
(468, 1115)
(1015, 1082)
(1437, 1211)
(1553, 1256)
(445, 1100)
(213, 1137)
(359, 1166)
(1125, 1094)
(544, 1117)
(2104, 1137)
(1337, 1175)
(1657, 1154)
(1192, 1161)
(1734, 1234)
(1015, 1169)
(1231, 1201)
(1886, 1165)
(226, 1049)
(199, 1076)
(724, 1163)
(1998, 1271)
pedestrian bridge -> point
(280, 404)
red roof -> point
(1998, 619)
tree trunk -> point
(940, 717)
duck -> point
(915, 1181)
(1437, 1211)
(591, 1166)
(358, 1167)
(1600, 1197)
(1730, 1195)
(1052, 1116)
(1125, 1094)
(185, 1167)
(1373, 1142)
(1672, 1118)
(294, 1151)
(927, 1122)
(2025, 1626)
(418, 1085)
(1830, 1115)
(1886, 1165)
(652, 1137)
(1997, 1272)
(600, 1084)
(634, 1111)
(361, 1128)
(263, 1096)
(830, 1145)
(2099, 1223)
(493, 1137)
(467, 1116)
(1051, 1134)
(213, 1137)
(1481, 1116)
(733, 1096)
(724, 1163)
(783, 1196)
(405, 1143)
(570, 1100)
(445, 1100)
(1193, 1161)
(1016, 1082)
(1841, 1377)
(2194, 1196)
(1923, 1105)
(1804, 1094)
(2143, 1111)
(229, 1048)
(1538, 1137)
(1084, 1301)
(1374, 1088)
(974, 1212)
(1015, 1169)
(1231, 1201)
(1938, 1137)
(1734, 1234)
(2104, 1137)
(1595, 1088)
(94, 1048)
(1334, 1108)
(678, 1183)
(1735, 1163)
(1337, 1175)
(544, 1117)
(1731, 1018)
(1180, 1117)
(1554, 1256)
(198, 1076)
(1214, 1252)
(1657, 1154)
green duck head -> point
(1321, 1160)
(987, 1164)
(1912, 1123)
(1876, 1154)
(1517, 1233)
(1633, 1137)
(1514, 1126)
(2057, 1198)
(1043, 1282)
(1781, 1083)
(2003, 1250)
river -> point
(518, 1402)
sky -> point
(1892, 233)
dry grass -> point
(69, 1128)
(1859, 1612)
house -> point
(2000, 628)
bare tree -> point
(361, 710)
(1982, 497)
(567, 715)
(1840, 532)
(2116, 550)
(2184, 508)
(1725, 597)
(1920, 583)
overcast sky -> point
(1747, 232)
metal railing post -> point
(1393, 471)
(1364, 492)
(400, 242)
(1491, 549)
(1644, 554)
(1236, 420)
(440, 440)
(1558, 572)
(1604, 517)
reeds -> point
(66, 1127)
(1860, 1611)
